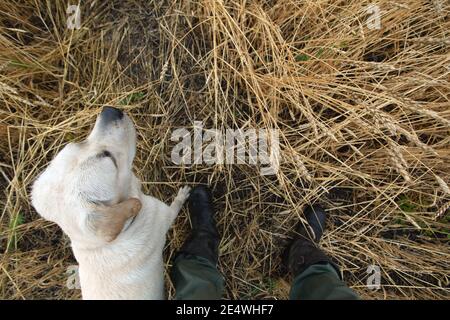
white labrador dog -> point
(117, 233)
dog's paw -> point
(183, 194)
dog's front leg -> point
(177, 204)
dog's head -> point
(89, 189)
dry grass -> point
(364, 120)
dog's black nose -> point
(110, 114)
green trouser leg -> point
(196, 278)
(320, 282)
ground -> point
(363, 113)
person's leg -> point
(194, 273)
(320, 282)
(315, 275)
(196, 278)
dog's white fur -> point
(94, 197)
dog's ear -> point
(108, 221)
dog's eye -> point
(107, 154)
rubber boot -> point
(204, 239)
(304, 251)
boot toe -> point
(200, 194)
(316, 217)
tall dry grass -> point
(364, 120)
